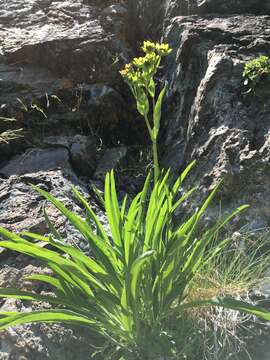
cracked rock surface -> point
(210, 118)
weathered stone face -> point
(234, 6)
(210, 118)
(189, 7)
(77, 42)
(54, 55)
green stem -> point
(148, 125)
(154, 147)
(156, 164)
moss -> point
(256, 72)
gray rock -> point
(57, 48)
(152, 15)
(111, 159)
(200, 7)
(226, 131)
(233, 6)
(82, 151)
(83, 155)
(36, 341)
(35, 160)
(54, 141)
(65, 37)
(74, 50)
(21, 208)
(103, 99)
(115, 10)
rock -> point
(200, 7)
(208, 116)
(21, 206)
(154, 15)
(42, 341)
(67, 38)
(21, 209)
(59, 63)
(233, 6)
(115, 10)
(83, 155)
(57, 141)
(103, 99)
(50, 51)
(110, 160)
(82, 151)
(36, 341)
(79, 150)
(35, 160)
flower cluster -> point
(142, 69)
(160, 49)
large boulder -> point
(233, 6)
(152, 15)
(21, 209)
(210, 118)
(189, 7)
(72, 41)
(59, 64)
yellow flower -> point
(139, 62)
(140, 71)
(148, 46)
(126, 70)
(163, 49)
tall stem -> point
(154, 142)
(156, 164)
(154, 148)
(148, 125)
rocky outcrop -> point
(59, 65)
(154, 14)
(75, 41)
(210, 118)
(33, 342)
(21, 209)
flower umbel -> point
(141, 70)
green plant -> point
(255, 70)
(136, 278)
(139, 75)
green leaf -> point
(55, 316)
(151, 88)
(100, 230)
(157, 112)
(113, 211)
(136, 270)
(102, 251)
(142, 102)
